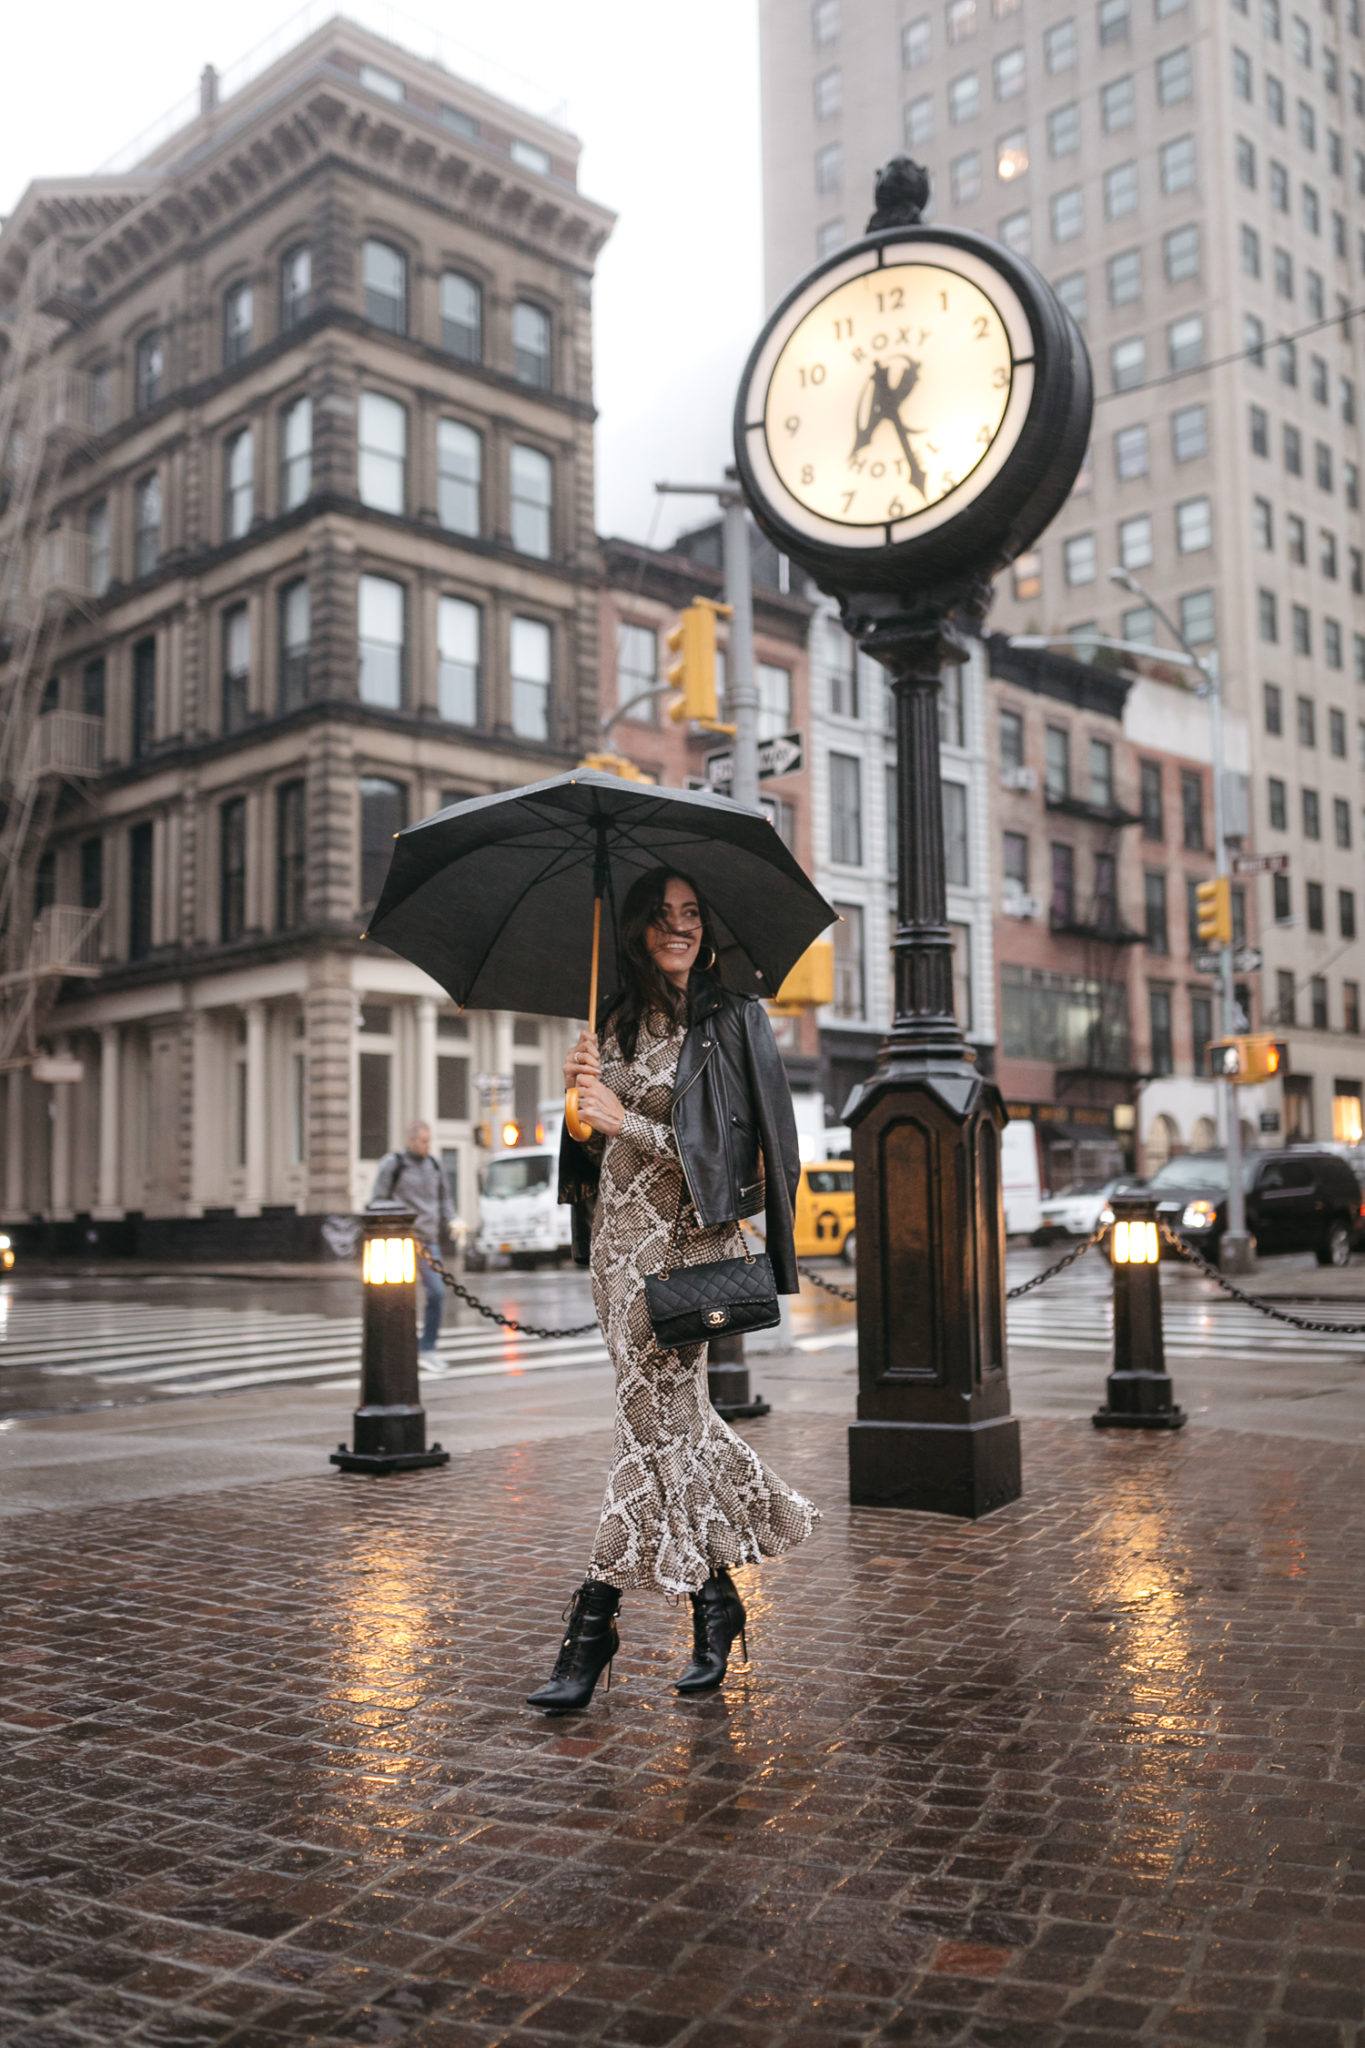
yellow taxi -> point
(824, 1211)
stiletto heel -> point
(717, 1618)
(586, 1651)
(744, 1644)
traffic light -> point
(1214, 909)
(616, 764)
(693, 640)
(1247, 1060)
(811, 981)
(483, 1136)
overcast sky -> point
(664, 99)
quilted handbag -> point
(725, 1297)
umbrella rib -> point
(551, 874)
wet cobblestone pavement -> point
(1087, 1772)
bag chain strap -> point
(677, 1219)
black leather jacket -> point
(732, 1122)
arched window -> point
(461, 316)
(238, 316)
(383, 640)
(531, 345)
(459, 476)
(458, 641)
(383, 452)
(532, 482)
(296, 286)
(386, 286)
(151, 370)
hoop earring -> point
(712, 961)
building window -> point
(1178, 164)
(1185, 342)
(917, 128)
(291, 856)
(1118, 105)
(146, 525)
(1068, 214)
(532, 483)
(383, 452)
(1174, 77)
(92, 874)
(1078, 558)
(295, 635)
(1057, 772)
(917, 42)
(1150, 800)
(1128, 363)
(1246, 163)
(459, 638)
(1130, 453)
(239, 489)
(236, 666)
(144, 698)
(383, 812)
(961, 20)
(531, 672)
(140, 876)
(1008, 69)
(374, 1120)
(1159, 1018)
(1293, 451)
(531, 345)
(237, 324)
(774, 686)
(1313, 896)
(1331, 645)
(1263, 524)
(461, 316)
(637, 669)
(1062, 906)
(1064, 130)
(452, 1087)
(1180, 254)
(1016, 233)
(824, 18)
(232, 869)
(965, 177)
(1139, 626)
(1275, 100)
(1273, 700)
(1278, 803)
(1102, 775)
(845, 810)
(1350, 1007)
(1346, 912)
(1124, 275)
(97, 545)
(1192, 809)
(92, 689)
(385, 272)
(459, 476)
(1135, 541)
(964, 97)
(848, 961)
(1016, 863)
(1027, 575)
(1155, 928)
(828, 93)
(296, 287)
(1260, 430)
(1113, 21)
(1011, 740)
(1072, 293)
(383, 665)
(1280, 904)
(1193, 525)
(1060, 46)
(1302, 629)
(1312, 814)
(1336, 733)
(1322, 465)
(829, 236)
(1120, 191)
(1201, 1029)
(1284, 996)
(296, 454)
(829, 162)
(1011, 155)
(149, 370)
(1267, 616)
(1317, 996)
(1253, 340)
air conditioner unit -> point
(1018, 778)
(1019, 905)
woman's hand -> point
(599, 1107)
(583, 1061)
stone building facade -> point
(333, 511)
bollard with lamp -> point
(1140, 1394)
(390, 1425)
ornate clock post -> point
(912, 416)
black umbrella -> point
(496, 898)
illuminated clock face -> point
(890, 394)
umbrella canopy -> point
(493, 897)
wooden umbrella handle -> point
(578, 1129)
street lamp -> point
(390, 1425)
(1235, 1252)
(1139, 1394)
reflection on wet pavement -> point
(1086, 1772)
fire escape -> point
(1107, 1072)
(45, 578)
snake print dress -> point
(684, 1494)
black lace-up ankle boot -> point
(717, 1618)
(587, 1650)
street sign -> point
(493, 1084)
(1247, 959)
(1207, 963)
(781, 756)
(1260, 864)
(56, 1067)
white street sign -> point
(781, 756)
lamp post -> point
(1140, 1394)
(1235, 1250)
(390, 1425)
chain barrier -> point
(1257, 1301)
(1027, 1286)
(496, 1315)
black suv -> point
(1299, 1201)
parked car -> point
(824, 1211)
(1075, 1212)
(1300, 1200)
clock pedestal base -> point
(934, 1431)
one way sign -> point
(781, 756)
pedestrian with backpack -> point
(413, 1177)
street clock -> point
(917, 407)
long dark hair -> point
(643, 987)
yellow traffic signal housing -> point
(615, 764)
(693, 640)
(1214, 910)
(1244, 1061)
(811, 981)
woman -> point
(692, 1123)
